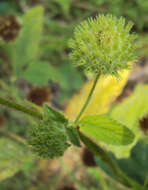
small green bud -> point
(48, 139)
(103, 45)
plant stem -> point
(88, 99)
(14, 136)
(106, 158)
(21, 108)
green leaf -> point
(69, 76)
(12, 158)
(41, 71)
(53, 114)
(37, 73)
(26, 48)
(105, 129)
(129, 112)
(137, 162)
(73, 136)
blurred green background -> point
(35, 66)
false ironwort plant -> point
(102, 46)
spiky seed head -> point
(48, 139)
(103, 45)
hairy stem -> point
(106, 158)
(14, 136)
(20, 108)
(88, 99)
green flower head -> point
(48, 139)
(103, 45)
